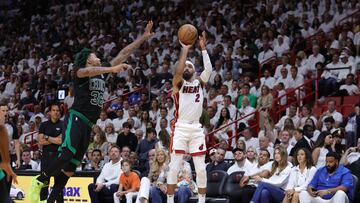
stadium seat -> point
(232, 182)
(346, 110)
(351, 100)
(215, 184)
(336, 99)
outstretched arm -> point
(93, 71)
(205, 75)
(180, 67)
(129, 49)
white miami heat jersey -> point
(189, 101)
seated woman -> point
(129, 183)
(272, 189)
(300, 175)
(225, 133)
(161, 161)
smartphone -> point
(61, 94)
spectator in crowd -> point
(225, 133)
(264, 103)
(245, 110)
(349, 88)
(129, 183)
(244, 92)
(219, 163)
(127, 138)
(284, 64)
(146, 144)
(241, 163)
(352, 128)
(337, 189)
(100, 142)
(292, 115)
(285, 141)
(331, 111)
(159, 164)
(247, 183)
(164, 134)
(111, 135)
(249, 139)
(109, 176)
(95, 162)
(264, 144)
(266, 54)
(302, 142)
(351, 155)
(120, 120)
(323, 145)
(27, 162)
(272, 188)
(300, 176)
(306, 113)
(267, 80)
(186, 187)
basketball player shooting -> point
(188, 134)
(89, 87)
(6, 173)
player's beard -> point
(187, 75)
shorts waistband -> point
(188, 122)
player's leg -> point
(178, 147)
(69, 169)
(72, 135)
(197, 148)
(4, 194)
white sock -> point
(201, 198)
(170, 198)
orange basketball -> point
(187, 34)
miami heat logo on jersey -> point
(191, 89)
(188, 101)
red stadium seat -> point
(346, 110)
(351, 100)
(336, 99)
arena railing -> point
(275, 112)
(32, 143)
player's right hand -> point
(120, 68)
(9, 172)
(187, 47)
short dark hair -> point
(150, 130)
(4, 102)
(333, 154)
(126, 125)
(96, 150)
(329, 119)
(265, 150)
(127, 161)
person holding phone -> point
(351, 155)
(331, 183)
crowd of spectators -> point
(38, 41)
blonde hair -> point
(155, 166)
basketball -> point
(187, 34)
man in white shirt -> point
(331, 112)
(292, 115)
(295, 79)
(246, 109)
(285, 141)
(344, 57)
(103, 120)
(349, 86)
(109, 176)
(285, 64)
(281, 47)
(240, 162)
(266, 54)
(118, 122)
(216, 71)
(267, 79)
(307, 31)
(283, 78)
(248, 138)
(315, 57)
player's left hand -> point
(9, 172)
(202, 41)
(148, 33)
